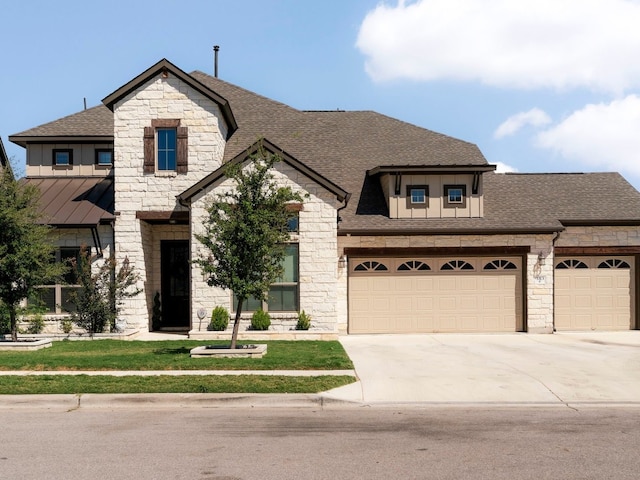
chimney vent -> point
(216, 48)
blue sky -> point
(544, 85)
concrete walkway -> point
(564, 368)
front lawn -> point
(174, 355)
(78, 384)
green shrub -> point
(219, 319)
(67, 325)
(304, 321)
(260, 320)
(36, 324)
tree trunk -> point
(13, 323)
(236, 323)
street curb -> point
(168, 401)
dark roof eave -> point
(24, 140)
(166, 66)
(430, 169)
(448, 231)
(633, 222)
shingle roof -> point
(75, 201)
(96, 122)
(342, 146)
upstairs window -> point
(417, 196)
(104, 157)
(455, 196)
(166, 141)
(165, 147)
(63, 157)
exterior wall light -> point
(342, 261)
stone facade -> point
(135, 191)
(318, 258)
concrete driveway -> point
(563, 368)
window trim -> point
(54, 157)
(411, 203)
(463, 200)
(150, 149)
(97, 157)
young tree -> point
(98, 300)
(246, 231)
(26, 251)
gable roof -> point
(264, 144)
(347, 149)
(93, 124)
(165, 67)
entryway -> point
(174, 265)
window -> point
(417, 196)
(371, 266)
(283, 294)
(293, 224)
(614, 263)
(54, 298)
(455, 196)
(457, 265)
(413, 265)
(165, 147)
(63, 157)
(166, 153)
(571, 263)
(104, 157)
(500, 265)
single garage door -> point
(427, 295)
(594, 293)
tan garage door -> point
(426, 295)
(594, 293)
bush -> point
(260, 320)
(219, 319)
(67, 325)
(36, 324)
(304, 321)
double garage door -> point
(594, 293)
(426, 295)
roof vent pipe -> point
(216, 48)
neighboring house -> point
(404, 230)
(4, 160)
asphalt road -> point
(332, 443)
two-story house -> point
(403, 230)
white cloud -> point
(504, 168)
(534, 117)
(506, 43)
(603, 136)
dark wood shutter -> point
(183, 150)
(149, 150)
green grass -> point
(174, 355)
(78, 384)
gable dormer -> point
(433, 192)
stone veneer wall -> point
(599, 236)
(159, 98)
(317, 262)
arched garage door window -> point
(614, 263)
(371, 266)
(571, 263)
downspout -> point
(553, 279)
(338, 218)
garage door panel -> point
(595, 298)
(436, 301)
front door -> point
(175, 284)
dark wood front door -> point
(174, 266)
